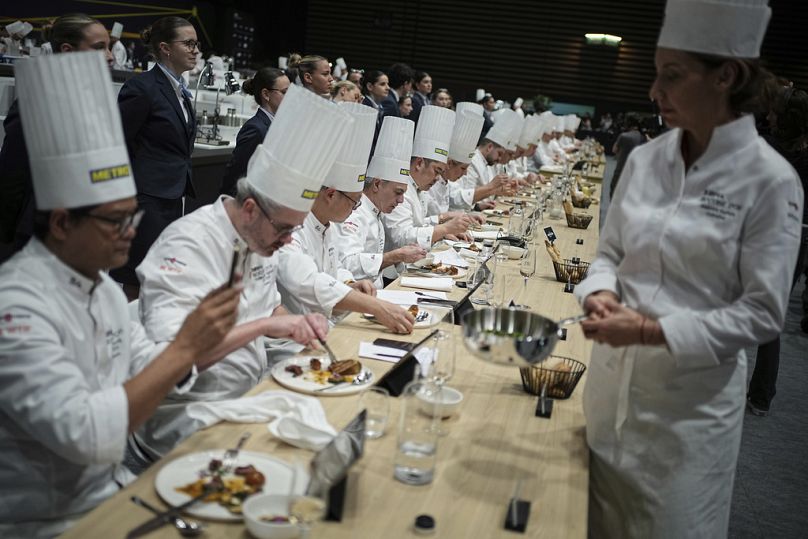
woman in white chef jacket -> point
(699, 246)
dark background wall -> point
(518, 48)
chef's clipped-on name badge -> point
(109, 173)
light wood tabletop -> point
(493, 442)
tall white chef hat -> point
(117, 28)
(391, 158)
(559, 123)
(300, 148)
(348, 171)
(573, 121)
(433, 133)
(732, 28)
(528, 134)
(474, 108)
(467, 128)
(506, 128)
(20, 28)
(73, 131)
(480, 94)
(283, 62)
(518, 102)
(546, 122)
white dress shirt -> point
(191, 257)
(408, 224)
(360, 242)
(119, 55)
(175, 84)
(66, 348)
(709, 252)
(310, 276)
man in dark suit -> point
(17, 206)
(401, 77)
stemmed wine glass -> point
(527, 268)
(442, 357)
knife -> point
(164, 518)
(431, 301)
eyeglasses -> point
(282, 231)
(122, 223)
(190, 44)
(356, 203)
(360, 71)
(279, 91)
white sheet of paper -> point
(405, 297)
(428, 283)
(450, 258)
(382, 353)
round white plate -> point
(303, 385)
(432, 319)
(461, 272)
(496, 213)
(184, 470)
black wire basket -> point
(583, 202)
(570, 271)
(561, 379)
(578, 220)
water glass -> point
(376, 400)
(417, 444)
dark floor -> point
(770, 499)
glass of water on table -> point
(376, 400)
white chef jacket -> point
(557, 151)
(191, 257)
(66, 348)
(310, 276)
(435, 201)
(408, 223)
(709, 253)
(360, 242)
(460, 196)
(567, 142)
(546, 155)
(119, 55)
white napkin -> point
(450, 258)
(468, 253)
(372, 351)
(296, 419)
(428, 283)
(404, 297)
(487, 234)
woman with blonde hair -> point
(346, 90)
(312, 72)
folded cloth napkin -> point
(296, 419)
(404, 297)
(428, 283)
(450, 258)
(487, 234)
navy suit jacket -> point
(418, 103)
(17, 199)
(390, 104)
(159, 139)
(251, 134)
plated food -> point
(337, 372)
(310, 375)
(227, 488)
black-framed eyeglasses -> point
(190, 44)
(282, 231)
(356, 203)
(122, 223)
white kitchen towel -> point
(487, 234)
(296, 419)
(428, 283)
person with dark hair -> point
(489, 104)
(313, 72)
(268, 86)
(788, 124)
(405, 105)
(442, 98)
(400, 76)
(159, 122)
(355, 76)
(78, 375)
(422, 94)
(625, 142)
(69, 33)
(376, 88)
(694, 264)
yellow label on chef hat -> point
(309, 194)
(109, 173)
(404, 172)
(361, 178)
(441, 151)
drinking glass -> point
(527, 268)
(417, 444)
(376, 400)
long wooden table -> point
(493, 442)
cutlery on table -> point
(187, 528)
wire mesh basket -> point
(583, 202)
(561, 374)
(570, 271)
(578, 220)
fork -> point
(360, 378)
(231, 454)
(423, 315)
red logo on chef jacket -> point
(172, 265)
(14, 323)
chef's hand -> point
(393, 317)
(410, 253)
(479, 217)
(214, 317)
(486, 205)
(305, 330)
(445, 216)
(623, 327)
(364, 286)
(456, 225)
(601, 304)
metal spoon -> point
(187, 528)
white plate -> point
(431, 320)
(310, 387)
(496, 213)
(184, 470)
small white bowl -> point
(269, 505)
(449, 402)
(513, 252)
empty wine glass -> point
(527, 268)
(442, 355)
